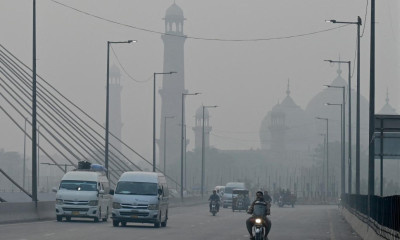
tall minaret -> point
(198, 129)
(115, 108)
(172, 88)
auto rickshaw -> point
(240, 199)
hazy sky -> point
(246, 79)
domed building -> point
(317, 107)
(284, 131)
(387, 109)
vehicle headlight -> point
(93, 203)
(153, 206)
(258, 220)
(116, 205)
(59, 201)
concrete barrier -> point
(26, 211)
(362, 228)
(19, 212)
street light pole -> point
(182, 136)
(108, 102)
(342, 123)
(349, 151)
(34, 160)
(165, 141)
(359, 23)
(327, 152)
(202, 153)
(24, 164)
(154, 116)
(358, 109)
(371, 158)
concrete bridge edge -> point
(360, 227)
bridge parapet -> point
(373, 216)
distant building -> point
(198, 129)
(115, 109)
(173, 85)
(284, 132)
(387, 109)
(317, 108)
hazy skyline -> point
(246, 79)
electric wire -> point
(123, 69)
(198, 38)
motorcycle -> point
(261, 225)
(259, 229)
(214, 208)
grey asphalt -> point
(194, 222)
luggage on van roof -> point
(87, 166)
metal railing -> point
(380, 213)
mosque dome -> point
(174, 11)
(387, 109)
(289, 119)
(317, 107)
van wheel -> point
(96, 219)
(115, 223)
(106, 217)
(158, 223)
(59, 218)
(68, 219)
(123, 224)
(164, 224)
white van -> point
(83, 194)
(141, 197)
(227, 197)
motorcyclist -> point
(250, 220)
(267, 197)
(214, 197)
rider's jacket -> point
(251, 208)
(214, 197)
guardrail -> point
(380, 213)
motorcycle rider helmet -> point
(259, 194)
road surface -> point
(194, 222)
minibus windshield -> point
(136, 188)
(77, 185)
